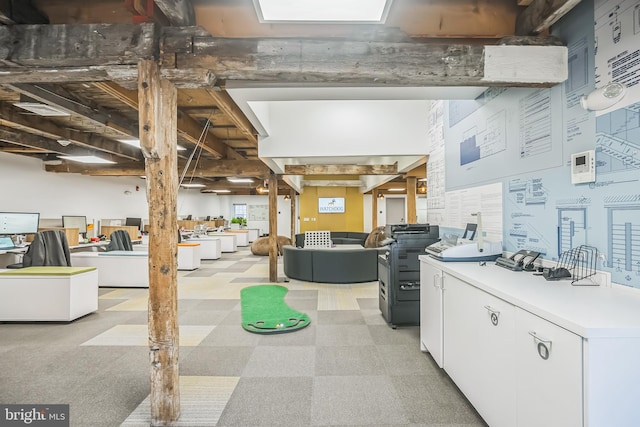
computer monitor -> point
(75, 221)
(134, 222)
(18, 223)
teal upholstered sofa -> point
(331, 265)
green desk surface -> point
(46, 271)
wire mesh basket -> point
(581, 262)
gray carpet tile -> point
(434, 400)
(340, 317)
(343, 335)
(202, 317)
(371, 400)
(244, 279)
(348, 360)
(373, 317)
(385, 335)
(412, 360)
(305, 336)
(217, 304)
(261, 401)
(302, 294)
(215, 361)
(227, 335)
(204, 272)
(281, 361)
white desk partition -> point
(229, 241)
(242, 237)
(254, 233)
(210, 247)
(116, 268)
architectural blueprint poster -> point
(617, 41)
(503, 132)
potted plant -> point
(237, 223)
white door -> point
(395, 210)
(431, 311)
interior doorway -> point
(395, 210)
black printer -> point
(399, 271)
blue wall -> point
(525, 137)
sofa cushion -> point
(345, 266)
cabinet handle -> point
(437, 278)
(494, 315)
(543, 346)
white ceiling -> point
(256, 100)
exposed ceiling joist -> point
(10, 117)
(226, 104)
(332, 183)
(178, 12)
(542, 14)
(205, 169)
(341, 169)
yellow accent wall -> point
(351, 220)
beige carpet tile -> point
(138, 335)
(202, 400)
(134, 304)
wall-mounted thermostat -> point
(583, 167)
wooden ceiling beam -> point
(46, 145)
(191, 55)
(179, 12)
(205, 169)
(540, 15)
(364, 62)
(97, 115)
(10, 117)
(341, 169)
(238, 118)
(188, 128)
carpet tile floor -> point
(347, 368)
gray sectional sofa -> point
(339, 238)
(331, 265)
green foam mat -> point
(265, 312)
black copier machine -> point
(399, 271)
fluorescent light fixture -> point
(193, 185)
(86, 159)
(42, 109)
(369, 11)
(221, 191)
(134, 142)
(396, 189)
(604, 97)
(239, 180)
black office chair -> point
(119, 241)
(48, 248)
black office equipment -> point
(399, 271)
(134, 222)
(521, 260)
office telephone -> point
(521, 260)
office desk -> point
(116, 268)
(210, 247)
(229, 241)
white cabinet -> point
(431, 324)
(549, 374)
(527, 352)
(478, 349)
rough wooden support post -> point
(374, 209)
(412, 216)
(158, 139)
(273, 227)
(292, 194)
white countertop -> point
(589, 311)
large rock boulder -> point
(260, 246)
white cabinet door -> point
(549, 373)
(479, 352)
(431, 311)
(460, 334)
(494, 397)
